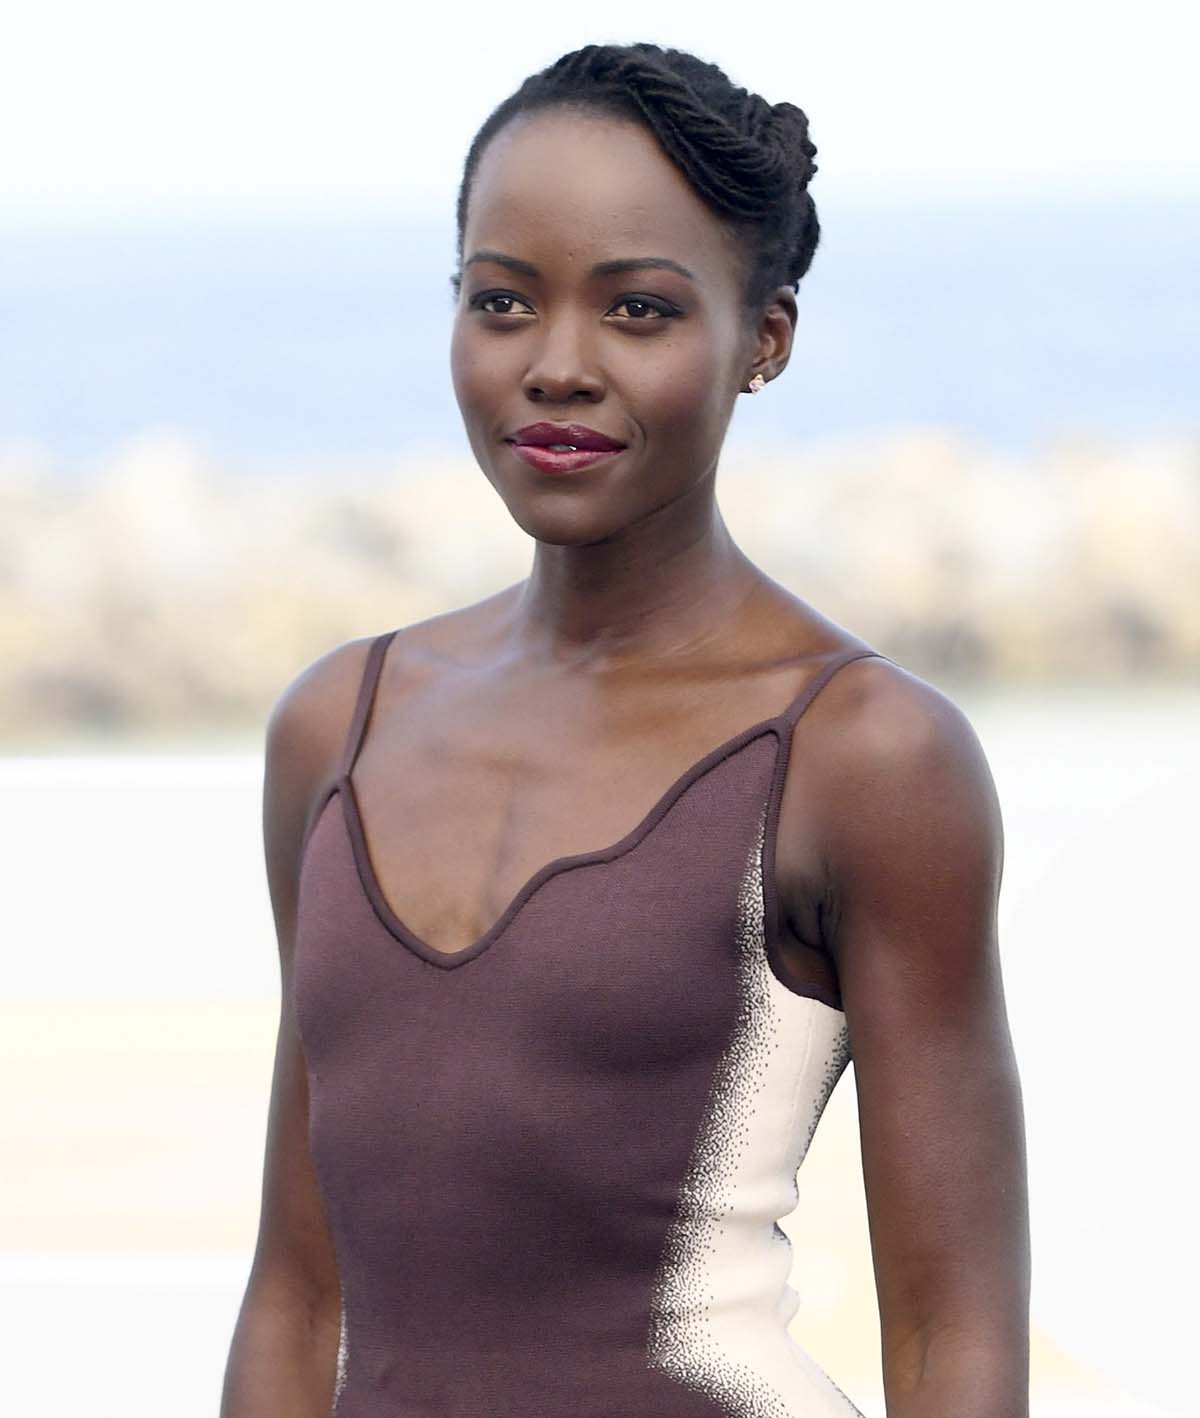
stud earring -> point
(757, 383)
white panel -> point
(721, 1300)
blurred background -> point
(228, 442)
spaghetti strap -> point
(366, 697)
(819, 681)
(786, 721)
(634, 1011)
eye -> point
(505, 299)
(643, 307)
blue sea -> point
(1011, 320)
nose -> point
(562, 367)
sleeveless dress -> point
(553, 1162)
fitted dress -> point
(553, 1163)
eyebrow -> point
(601, 268)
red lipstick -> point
(562, 447)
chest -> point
(621, 959)
(451, 839)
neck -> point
(670, 582)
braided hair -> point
(748, 160)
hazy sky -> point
(162, 109)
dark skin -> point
(548, 719)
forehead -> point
(575, 186)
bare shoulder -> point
(309, 721)
(905, 809)
(909, 827)
(891, 731)
(305, 733)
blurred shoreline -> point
(168, 593)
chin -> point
(556, 521)
(560, 531)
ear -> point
(773, 336)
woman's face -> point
(649, 356)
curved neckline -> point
(449, 960)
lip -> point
(549, 460)
(578, 435)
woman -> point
(587, 893)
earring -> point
(757, 383)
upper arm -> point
(913, 847)
(304, 739)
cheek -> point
(679, 387)
(472, 370)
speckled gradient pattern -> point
(722, 1301)
(553, 1164)
(343, 1353)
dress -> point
(553, 1163)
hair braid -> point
(749, 160)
